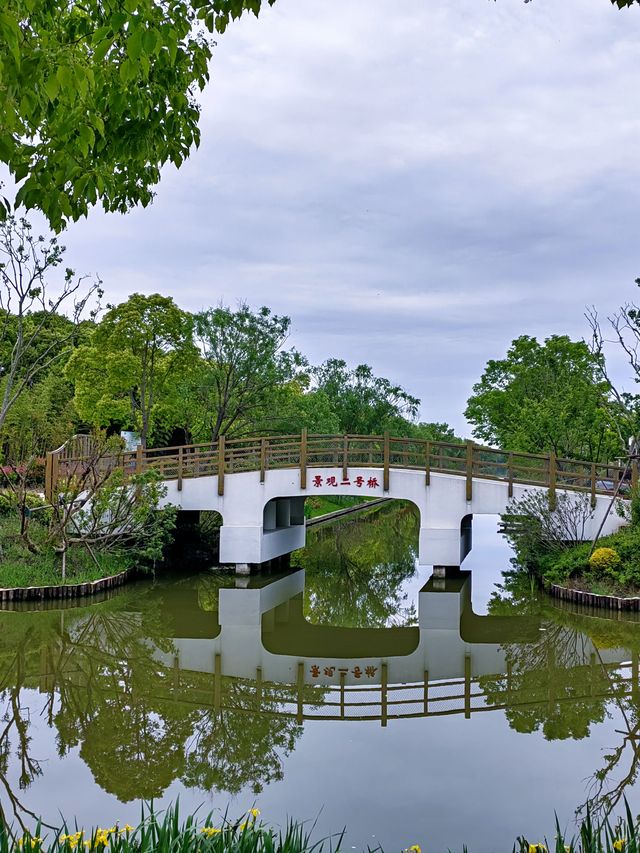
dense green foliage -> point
(96, 97)
(546, 397)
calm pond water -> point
(354, 690)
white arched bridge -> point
(258, 485)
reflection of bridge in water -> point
(437, 668)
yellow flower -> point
(243, 826)
(415, 848)
(567, 848)
(210, 831)
(254, 812)
(618, 844)
(537, 848)
(126, 828)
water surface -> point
(353, 689)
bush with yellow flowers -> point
(605, 561)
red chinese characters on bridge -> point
(332, 482)
(329, 671)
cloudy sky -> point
(415, 183)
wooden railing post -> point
(217, 682)
(386, 456)
(467, 687)
(139, 459)
(345, 457)
(510, 474)
(552, 481)
(427, 464)
(469, 470)
(383, 693)
(593, 485)
(303, 459)
(425, 696)
(263, 458)
(48, 483)
(300, 703)
(180, 463)
(221, 465)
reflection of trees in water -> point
(570, 686)
(139, 724)
(354, 571)
(243, 742)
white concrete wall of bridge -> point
(264, 520)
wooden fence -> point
(304, 452)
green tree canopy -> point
(365, 404)
(244, 362)
(545, 397)
(125, 373)
(96, 96)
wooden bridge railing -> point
(305, 452)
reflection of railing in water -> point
(379, 703)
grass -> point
(19, 567)
(323, 504)
(168, 834)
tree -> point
(34, 333)
(545, 397)
(97, 96)
(125, 373)
(625, 324)
(244, 362)
(365, 404)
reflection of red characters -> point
(359, 481)
(372, 482)
(329, 671)
(370, 671)
(315, 671)
(331, 481)
(317, 481)
(357, 671)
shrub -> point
(605, 561)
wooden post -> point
(221, 465)
(345, 457)
(552, 481)
(217, 682)
(263, 458)
(139, 459)
(300, 714)
(510, 474)
(180, 462)
(386, 455)
(427, 465)
(469, 470)
(467, 687)
(426, 692)
(343, 676)
(593, 485)
(48, 486)
(259, 687)
(303, 459)
(383, 693)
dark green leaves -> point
(94, 101)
